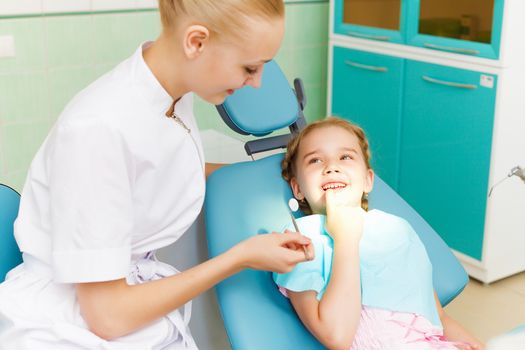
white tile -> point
(147, 4)
(213, 138)
(20, 7)
(61, 6)
(7, 46)
(220, 148)
(108, 5)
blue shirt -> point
(396, 273)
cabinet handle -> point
(449, 83)
(364, 66)
(452, 49)
(369, 36)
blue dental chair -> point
(249, 198)
(10, 255)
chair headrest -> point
(263, 110)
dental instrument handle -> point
(307, 256)
(295, 223)
(294, 206)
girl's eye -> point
(314, 160)
(347, 157)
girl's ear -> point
(196, 37)
(369, 181)
(296, 189)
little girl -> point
(370, 283)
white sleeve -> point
(91, 203)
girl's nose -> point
(331, 168)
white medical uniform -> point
(114, 181)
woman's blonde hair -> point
(221, 17)
(288, 164)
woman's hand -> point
(275, 252)
(344, 215)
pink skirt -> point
(382, 329)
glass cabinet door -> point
(370, 19)
(372, 13)
(464, 19)
(470, 27)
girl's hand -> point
(275, 252)
(344, 215)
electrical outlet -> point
(7, 46)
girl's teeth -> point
(333, 186)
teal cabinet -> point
(444, 117)
(430, 130)
(459, 26)
(367, 90)
(380, 20)
(468, 27)
(445, 150)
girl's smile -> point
(333, 186)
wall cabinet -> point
(470, 27)
(441, 100)
(445, 150)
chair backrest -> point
(250, 198)
(283, 109)
(10, 255)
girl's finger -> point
(329, 195)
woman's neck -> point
(166, 65)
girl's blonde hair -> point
(288, 164)
(221, 17)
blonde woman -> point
(121, 175)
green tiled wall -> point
(57, 56)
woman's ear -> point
(296, 189)
(196, 37)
